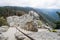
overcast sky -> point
(32, 3)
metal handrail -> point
(25, 34)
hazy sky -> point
(32, 3)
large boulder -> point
(30, 27)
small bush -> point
(57, 24)
(3, 21)
(53, 30)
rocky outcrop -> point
(26, 21)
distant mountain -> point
(46, 12)
(26, 9)
(51, 16)
(51, 12)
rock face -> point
(26, 21)
(2, 37)
(3, 29)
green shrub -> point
(53, 30)
(57, 24)
(3, 21)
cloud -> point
(3, 3)
(18, 2)
(32, 3)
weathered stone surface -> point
(45, 36)
(19, 36)
(41, 35)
